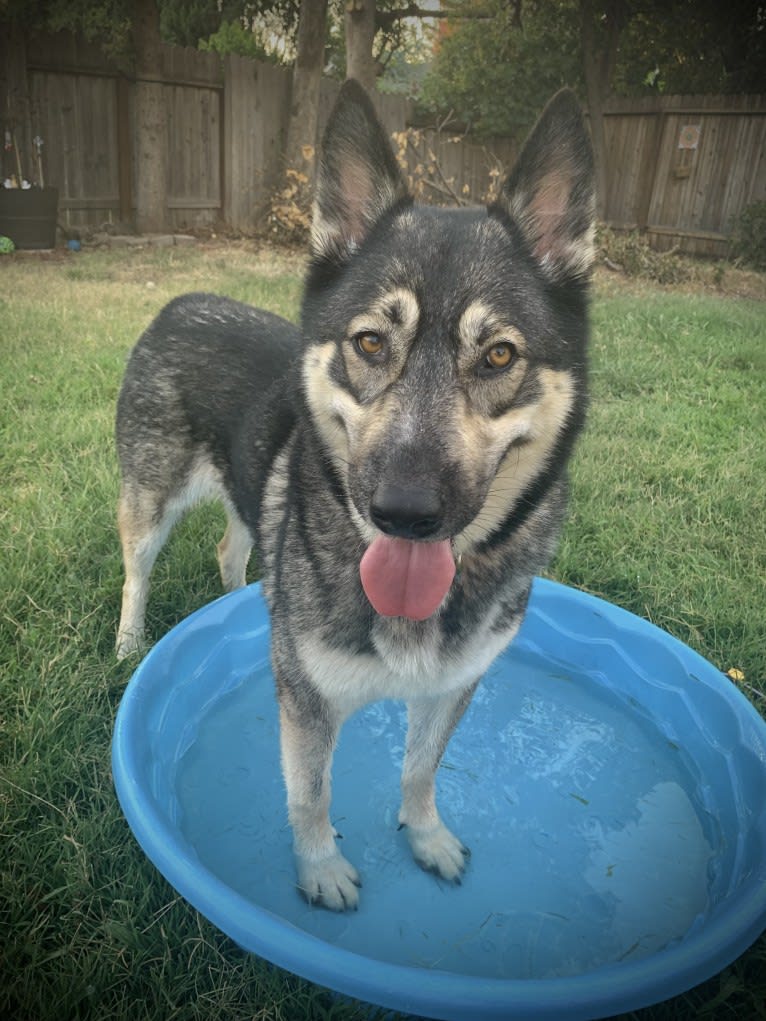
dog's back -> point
(207, 399)
(202, 367)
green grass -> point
(670, 480)
(668, 520)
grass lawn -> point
(667, 520)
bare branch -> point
(442, 124)
(445, 188)
(385, 19)
(460, 201)
(448, 192)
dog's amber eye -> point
(499, 357)
(369, 344)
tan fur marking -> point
(348, 427)
(401, 669)
(343, 422)
(539, 424)
(330, 406)
(479, 320)
(142, 537)
(377, 318)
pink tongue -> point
(406, 579)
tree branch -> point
(385, 19)
(448, 192)
(445, 188)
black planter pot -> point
(28, 216)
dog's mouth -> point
(407, 578)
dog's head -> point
(445, 361)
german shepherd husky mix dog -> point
(398, 461)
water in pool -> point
(589, 836)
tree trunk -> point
(598, 66)
(360, 33)
(595, 101)
(300, 154)
(150, 120)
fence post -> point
(223, 154)
(124, 151)
(649, 171)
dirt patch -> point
(627, 260)
(714, 278)
(269, 256)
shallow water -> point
(592, 842)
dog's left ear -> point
(358, 178)
(551, 191)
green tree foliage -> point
(107, 22)
(228, 26)
(495, 75)
(184, 24)
(688, 46)
(233, 37)
(403, 50)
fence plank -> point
(194, 141)
(271, 99)
(237, 139)
(256, 108)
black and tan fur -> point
(434, 391)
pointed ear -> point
(358, 178)
(551, 191)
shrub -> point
(630, 253)
(748, 241)
(290, 212)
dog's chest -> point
(403, 666)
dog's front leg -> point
(307, 738)
(431, 722)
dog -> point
(399, 462)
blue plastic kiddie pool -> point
(610, 783)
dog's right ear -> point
(358, 178)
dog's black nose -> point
(410, 512)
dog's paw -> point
(332, 882)
(438, 850)
(129, 643)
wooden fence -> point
(226, 123)
(83, 110)
(680, 168)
